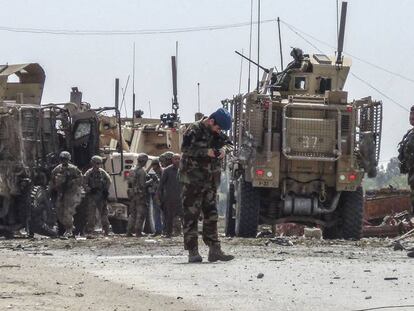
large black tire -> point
(118, 226)
(349, 216)
(247, 209)
(230, 222)
(352, 213)
(43, 216)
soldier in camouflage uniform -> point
(406, 155)
(199, 175)
(137, 194)
(66, 180)
(96, 184)
(166, 159)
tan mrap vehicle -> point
(150, 136)
(301, 150)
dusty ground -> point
(119, 273)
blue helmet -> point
(222, 118)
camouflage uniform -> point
(66, 181)
(200, 176)
(137, 194)
(406, 157)
(97, 183)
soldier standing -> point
(96, 184)
(66, 180)
(155, 174)
(166, 159)
(169, 192)
(200, 175)
(406, 155)
(137, 194)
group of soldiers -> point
(161, 186)
(182, 189)
(67, 181)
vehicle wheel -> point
(352, 211)
(331, 233)
(230, 222)
(43, 216)
(247, 209)
(118, 226)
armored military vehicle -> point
(140, 135)
(31, 137)
(302, 149)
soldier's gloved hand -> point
(211, 153)
(221, 154)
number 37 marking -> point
(309, 142)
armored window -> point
(300, 83)
(82, 130)
(325, 84)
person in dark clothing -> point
(169, 192)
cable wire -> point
(130, 32)
(296, 30)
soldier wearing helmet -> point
(96, 183)
(66, 180)
(199, 175)
(137, 194)
(165, 159)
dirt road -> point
(119, 273)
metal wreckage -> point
(301, 148)
(32, 136)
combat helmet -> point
(65, 155)
(96, 159)
(142, 158)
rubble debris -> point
(289, 229)
(315, 233)
(260, 275)
(391, 226)
(383, 202)
(410, 254)
(279, 241)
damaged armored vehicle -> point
(302, 149)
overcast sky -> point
(377, 31)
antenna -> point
(241, 72)
(133, 85)
(258, 43)
(341, 33)
(149, 106)
(280, 44)
(174, 79)
(198, 96)
(250, 44)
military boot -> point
(215, 253)
(194, 256)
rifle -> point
(221, 141)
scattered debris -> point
(289, 229)
(390, 278)
(10, 266)
(260, 275)
(79, 295)
(391, 226)
(383, 202)
(315, 233)
(279, 241)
